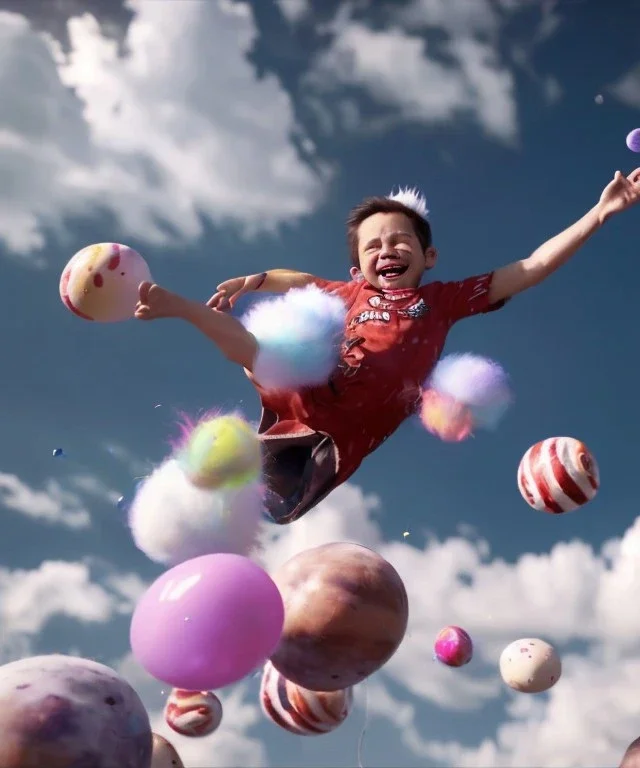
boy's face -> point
(390, 253)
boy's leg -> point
(225, 331)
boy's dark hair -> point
(372, 205)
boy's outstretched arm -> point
(273, 281)
(620, 194)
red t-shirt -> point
(393, 340)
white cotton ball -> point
(299, 336)
(172, 520)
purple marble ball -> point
(633, 140)
(69, 712)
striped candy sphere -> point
(299, 711)
(193, 713)
(558, 475)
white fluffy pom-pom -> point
(299, 337)
(172, 520)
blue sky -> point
(227, 138)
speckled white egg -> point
(530, 665)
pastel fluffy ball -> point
(172, 520)
(530, 665)
(101, 282)
(346, 613)
(453, 646)
(222, 451)
(164, 754)
(65, 712)
(299, 337)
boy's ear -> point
(430, 257)
(355, 273)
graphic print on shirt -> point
(385, 302)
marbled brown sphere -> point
(164, 754)
(346, 613)
(67, 712)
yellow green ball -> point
(224, 451)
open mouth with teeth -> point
(392, 271)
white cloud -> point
(51, 505)
(93, 487)
(464, 74)
(294, 11)
(29, 599)
(176, 129)
(627, 89)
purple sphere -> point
(66, 712)
(633, 140)
(207, 623)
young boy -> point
(316, 438)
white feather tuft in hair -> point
(412, 198)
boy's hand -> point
(229, 292)
(619, 194)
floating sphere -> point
(101, 282)
(453, 646)
(631, 757)
(193, 713)
(63, 712)
(164, 754)
(223, 451)
(299, 711)
(558, 475)
(633, 140)
(530, 665)
(207, 622)
(346, 613)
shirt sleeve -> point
(339, 287)
(464, 298)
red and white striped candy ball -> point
(193, 713)
(299, 711)
(558, 475)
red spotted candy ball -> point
(558, 475)
(101, 282)
(193, 713)
(299, 711)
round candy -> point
(530, 665)
(164, 754)
(222, 451)
(558, 475)
(193, 713)
(64, 711)
(101, 282)
(453, 647)
(633, 140)
(346, 613)
(299, 711)
(207, 623)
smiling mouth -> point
(392, 272)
